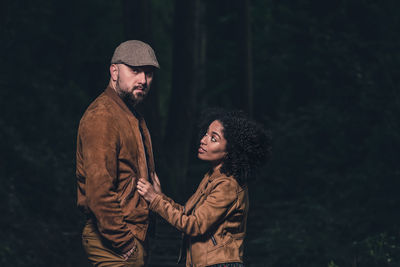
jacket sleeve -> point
(100, 144)
(213, 210)
(173, 203)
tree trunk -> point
(246, 101)
(187, 80)
(137, 20)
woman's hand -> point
(146, 190)
(156, 183)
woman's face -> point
(213, 144)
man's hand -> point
(129, 253)
(146, 190)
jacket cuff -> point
(154, 203)
(163, 196)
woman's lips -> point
(201, 150)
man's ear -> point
(114, 72)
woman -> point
(214, 219)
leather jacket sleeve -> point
(99, 137)
(214, 209)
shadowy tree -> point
(188, 78)
(245, 91)
(137, 16)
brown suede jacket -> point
(110, 158)
(213, 220)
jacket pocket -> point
(126, 192)
(215, 246)
(137, 215)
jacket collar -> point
(110, 92)
(136, 119)
(215, 174)
(208, 178)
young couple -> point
(115, 166)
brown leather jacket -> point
(110, 158)
(213, 220)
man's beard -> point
(129, 98)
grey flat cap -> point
(135, 53)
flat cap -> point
(135, 53)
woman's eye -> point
(213, 139)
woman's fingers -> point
(156, 183)
(146, 190)
(142, 183)
(142, 187)
(155, 178)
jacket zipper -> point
(144, 151)
(213, 240)
(189, 240)
(183, 243)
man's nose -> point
(142, 77)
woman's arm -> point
(214, 209)
(157, 189)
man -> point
(113, 151)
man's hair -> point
(248, 143)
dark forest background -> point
(322, 75)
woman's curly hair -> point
(248, 143)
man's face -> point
(133, 83)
